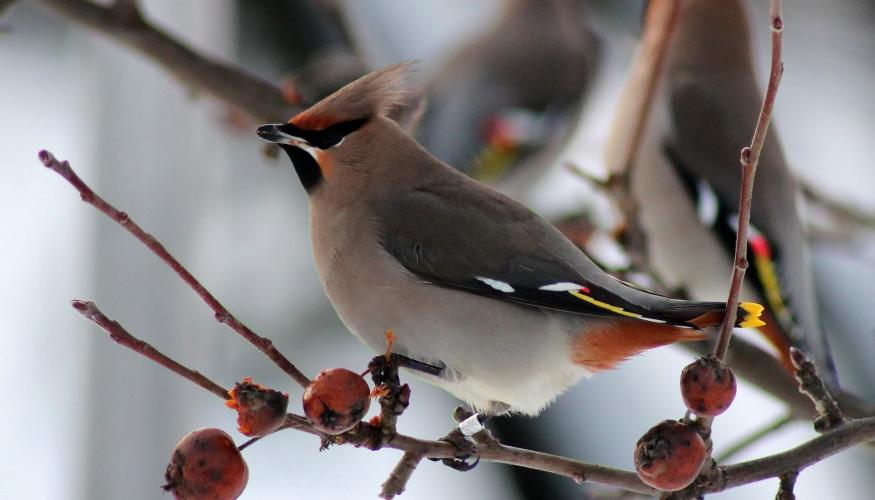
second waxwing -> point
(511, 90)
(688, 179)
(493, 303)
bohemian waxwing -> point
(503, 310)
(513, 89)
(712, 100)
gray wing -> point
(497, 248)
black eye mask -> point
(327, 137)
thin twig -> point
(121, 336)
(222, 315)
(247, 444)
(122, 21)
(399, 476)
(829, 415)
(749, 159)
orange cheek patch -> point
(603, 347)
(325, 164)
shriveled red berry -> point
(260, 410)
(668, 457)
(336, 400)
(707, 386)
(206, 465)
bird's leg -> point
(470, 432)
(474, 426)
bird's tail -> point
(708, 314)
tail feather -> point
(708, 314)
(602, 346)
(751, 318)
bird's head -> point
(331, 139)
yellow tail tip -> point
(752, 318)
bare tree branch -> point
(121, 336)
(260, 99)
(796, 459)
(364, 434)
(221, 313)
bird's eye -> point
(326, 139)
(332, 136)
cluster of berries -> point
(206, 464)
(670, 455)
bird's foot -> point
(466, 449)
(470, 433)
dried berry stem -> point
(121, 336)
(829, 415)
(222, 315)
(749, 159)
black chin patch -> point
(306, 167)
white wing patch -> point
(501, 286)
(564, 286)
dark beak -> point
(274, 133)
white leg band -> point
(471, 425)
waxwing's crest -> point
(371, 95)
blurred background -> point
(84, 419)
